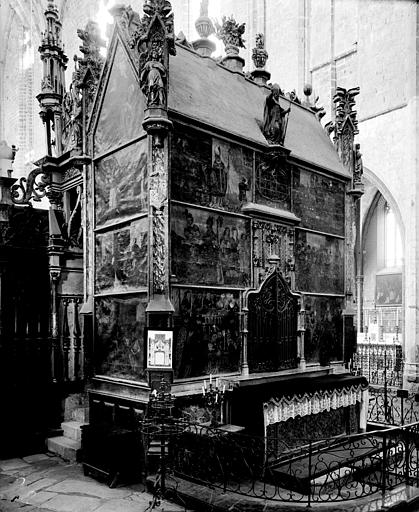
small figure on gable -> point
(275, 118)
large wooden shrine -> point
(207, 206)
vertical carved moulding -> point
(301, 328)
(77, 339)
(66, 340)
(244, 331)
(159, 217)
(55, 275)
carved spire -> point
(231, 34)
(259, 57)
(89, 67)
(84, 82)
(345, 128)
(53, 82)
(346, 124)
(205, 28)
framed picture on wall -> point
(159, 349)
(388, 289)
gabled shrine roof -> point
(207, 92)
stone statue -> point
(358, 165)
(275, 118)
(153, 76)
(72, 119)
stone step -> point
(66, 448)
(72, 430)
(80, 414)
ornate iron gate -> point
(272, 325)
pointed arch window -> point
(393, 255)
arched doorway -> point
(381, 333)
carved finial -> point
(231, 34)
(203, 24)
(259, 57)
(259, 53)
(345, 101)
(205, 28)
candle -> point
(203, 391)
(216, 383)
(397, 317)
(216, 398)
(205, 384)
(210, 379)
(224, 388)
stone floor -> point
(43, 482)
(46, 483)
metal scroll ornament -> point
(34, 188)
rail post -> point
(384, 464)
(310, 454)
(406, 455)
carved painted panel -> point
(210, 172)
(121, 183)
(207, 332)
(272, 239)
(319, 263)
(273, 181)
(324, 329)
(209, 248)
(122, 112)
(121, 258)
(119, 340)
(319, 202)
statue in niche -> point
(243, 188)
(72, 125)
(153, 76)
(359, 166)
(275, 118)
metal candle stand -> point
(214, 398)
(160, 424)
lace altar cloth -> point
(277, 410)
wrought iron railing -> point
(382, 364)
(392, 407)
(334, 470)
